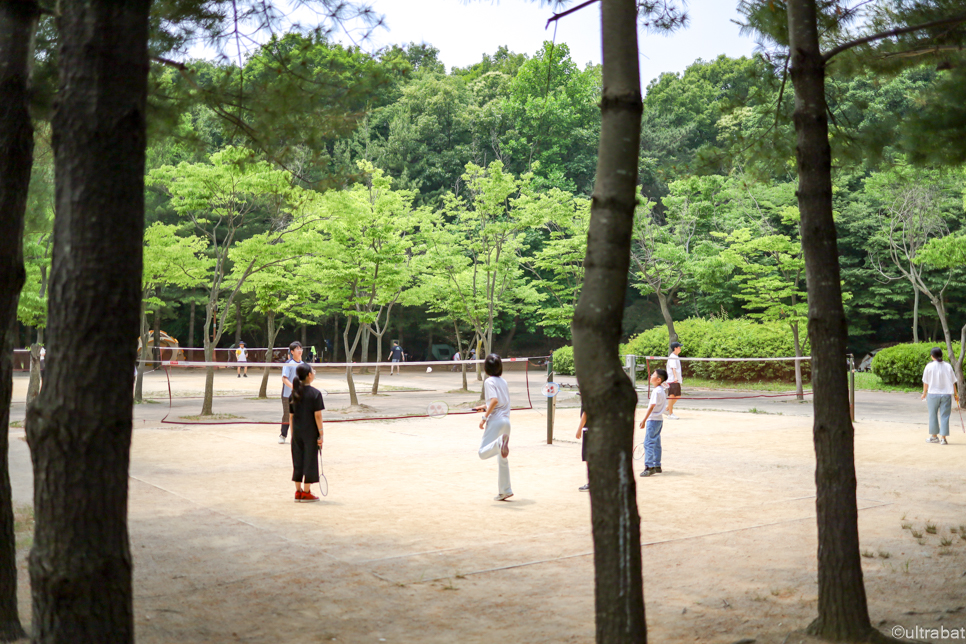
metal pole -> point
(852, 387)
(551, 403)
(630, 366)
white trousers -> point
(490, 447)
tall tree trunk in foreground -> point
(17, 21)
(842, 611)
(79, 430)
(607, 393)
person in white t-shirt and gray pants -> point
(674, 378)
(938, 390)
(496, 420)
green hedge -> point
(903, 363)
(716, 338)
(563, 361)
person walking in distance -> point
(674, 378)
(496, 422)
(653, 423)
(241, 356)
(288, 375)
(938, 390)
(396, 356)
(306, 410)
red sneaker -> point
(298, 496)
(308, 497)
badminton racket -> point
(639, 451)
(961, 424)
(323, 482)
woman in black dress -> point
(306, 407)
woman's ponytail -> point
(301, 373)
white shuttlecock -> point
(429, 370)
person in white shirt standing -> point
(653, 423)
(496, 419)
(674, 378)
(938, 390)
(241, 356)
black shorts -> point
(674, 389)
(583, 445)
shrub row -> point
(716, 338)
(903, 363)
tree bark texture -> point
(271, 334)
(672, 335)
(842, 610)
(79, 430)
(18, 19)
(607, 393)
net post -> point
(551, 402)
(852, 387)
(630, 367)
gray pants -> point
(939, 407)
(490, 447)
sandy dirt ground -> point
(409, 545)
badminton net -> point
(731, 378)
(413, 390)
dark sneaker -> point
(650, 471)
(657, 470)
(308, 497)
(584, 488)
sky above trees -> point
(464, 31)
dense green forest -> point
(325, 193)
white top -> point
(241, 354)
(456, 356)
(674, 368)
(659, 400)
(940, 377)
(496, 387)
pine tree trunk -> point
(842, 610)
(18, 19)
(608, 394)
(33, 383)
(80, 429)
(668, 320)
(365, 348)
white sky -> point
(464, 31)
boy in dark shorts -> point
(396, 356)
(674, 378)
(288, 376)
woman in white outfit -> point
(938, 390)
(496, 420)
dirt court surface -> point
(409, 545)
